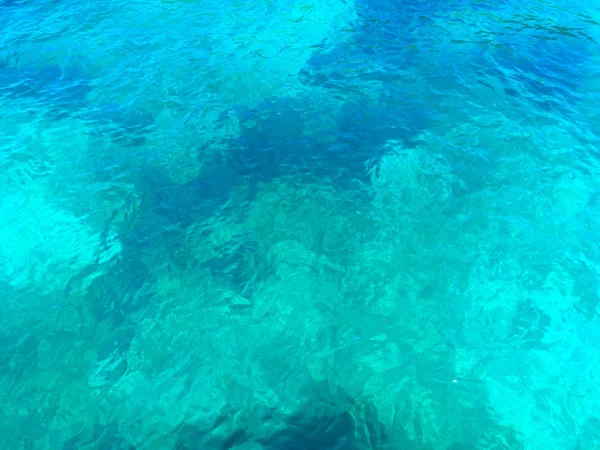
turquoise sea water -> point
(351, 224)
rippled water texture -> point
(339, 225)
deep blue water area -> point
(123, 126)
(50, 87)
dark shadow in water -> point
(244, 266)
(193, 437)
(62, 89)
(18, 3)
(104, 437)
(549, 70)
(280, 142)
(318, 433)
(276, 139)
(111, 362)
(124, 126)
(170, 204)
(547, 63)
(529, 326)
(122, 291)
(18, 356)
(319, 425)
(13, 3)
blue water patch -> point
(122, 125)
(551, 72)
(397, 115)
(20, 3)
(276, 137)
(319, 425)
(122, 292)
(530, 325)
(61, 90)
(111, 362)
(542, 61)
(283, 138)
(387, 207)
(12, 3)
(102, 437)
(243, 266)
(19, 355)
(319, 433)
(181, 204)
(587, 291)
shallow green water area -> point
(295, 225)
